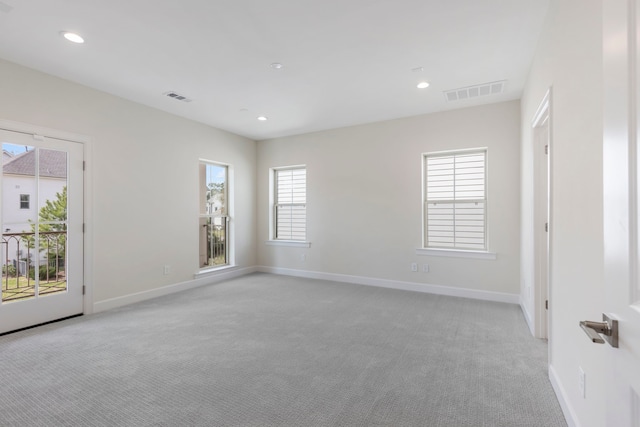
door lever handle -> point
(596, 331)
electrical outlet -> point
(167, 269)
(414, 266)
(582, 383)
(303, 257)
(425, 268)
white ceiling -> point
(345, 62)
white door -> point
(542, 137)
(621, 208)
(41, 217)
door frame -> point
(542, 212)
(87, 195)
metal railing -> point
(215, 241)
(22, 277)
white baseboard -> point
(226, 274)
(213, 277)
(394, 284)
(569, 414)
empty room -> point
(306, 213)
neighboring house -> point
(20, 188)
(7, 156)
(215, 203)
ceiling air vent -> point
(177, 96)
(476, 91)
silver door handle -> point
(596, 331)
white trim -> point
(231, 209)
(230, 201)
(291, 243)
(543, 109)
(273, 196)
(284, 168)
(542, 239)
(395, 284)
(456, 253)
(88, 227)
(485, 200)
(170, 289)
(211, 271)
(213, 162)
(561, 394)
(527, 315)
(87, 144)
(459, 151)
(44, 131)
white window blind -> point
(290, 204)
(455, 200)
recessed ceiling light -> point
(262, 118)
(423, 85)
(276, 65)
(72, 37)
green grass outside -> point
(18, 288)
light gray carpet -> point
(266, 350)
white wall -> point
(364, 201)
(364, 191)
(569, 59)
(144, 166)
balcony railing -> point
(213, 241)
(23, 277)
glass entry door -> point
(41, 218)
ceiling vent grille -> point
(177, 96)
(492, 88)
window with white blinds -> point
(290, 207)
(456, 200)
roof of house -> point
(53, 164)
(6, 156)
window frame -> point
(28, 201)
(226, 214)
(274, 239)
(456, 250)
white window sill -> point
(457, 253)
(290, 243)
(210, 270)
